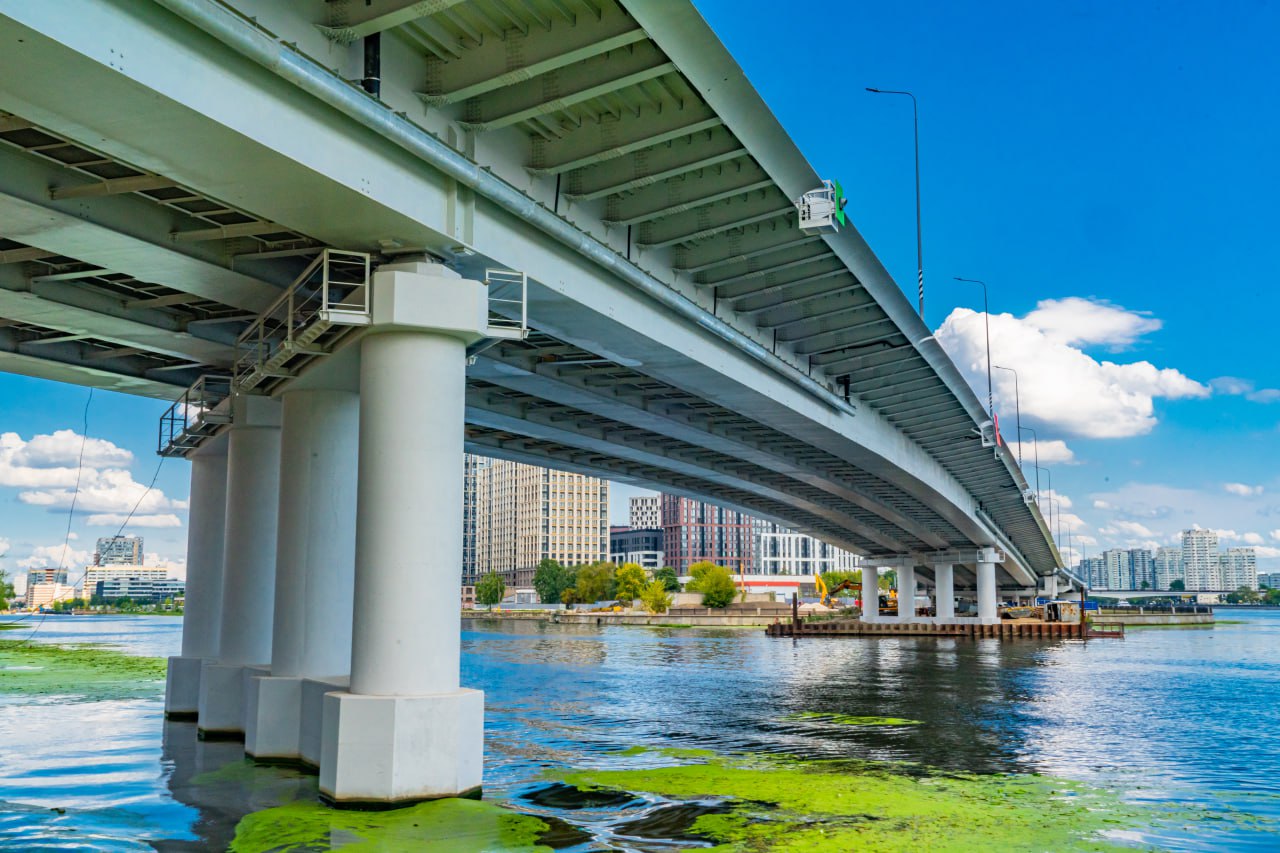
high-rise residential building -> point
(1117, 570)
(119, 551)
(526, 513)
(1168, 567)
(646, 512)
(1200, 562)
(1142, 569)
(1092, 571)
(1239, 568)
(1269, 580)
(470, 466)
(780, 551)
(694, 531)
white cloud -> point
(1237, 387)
(1064, 502)
(53, 556)
(1050, 452)
(1100, 504)
(4, 546)
(45, 467)
(1266, 552)
(176, 565)
(1242, 489)
(1253, 539)
(115, 519)
(63, 449)
(1131, 529)
(1061, 385)
(1275, 534)
(1084, 321)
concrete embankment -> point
(1136, 619)
(736, 615)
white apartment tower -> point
(1168, 564)
(1200, 560)
(1239, 567)
(646, 512)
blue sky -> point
(1108, 169)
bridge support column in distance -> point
(405, 731)
(906, 593)
(203, 610)
(870, 593)
(988, 612)
(315, 570)
(249, 564)
(1050, 590)
(944, 590)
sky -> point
(1108, 169)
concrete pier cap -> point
(404, 730)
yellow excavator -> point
(827, 596)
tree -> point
(631, 581)
(714, 582)
(551, 580)
(490, 590)
(889, 580)
(655, 598)
(1146, 585)
(594, 582)
(6, 590)
(669, 579)
(569, 597)
(1178, 586)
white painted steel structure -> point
(176, 176)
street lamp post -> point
(1017, 398)
(915, 123)
(1035, 444)
(986, 319)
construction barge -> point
(1012, 629)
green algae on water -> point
(441, 826)
(80, 672)
(787, 804)
(850, 719)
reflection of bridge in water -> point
(197, 203)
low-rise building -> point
(44, 594)
(641, 546)
(140, 589)
(96, 575)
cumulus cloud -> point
(1266, 552)
(1051, 452)
(1275, 534)
(1074, 320)
(1253, 539)
(1242, 489)
(53, 556)
(45, 468)
(177, 566)
(115, 519)
(1061, 385)
(1047, 495)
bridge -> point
(352, 240)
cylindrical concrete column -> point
(906, 592)
(249, 550)
(315, 550)
(987, 605)
(405, 639)
(870, 593)
(944, 596)
(201, 624)
(1051, 587)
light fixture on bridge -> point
(987, 430)
(822, 209)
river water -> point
(1176, 718)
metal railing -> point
(192, 417)
(508, 295)
(333, 290)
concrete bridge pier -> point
(249, 565)
(202, 621)
(944, 590)
(315, 569)
(906, 592)
(870, 593)
(988, 610)
(405, 731)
